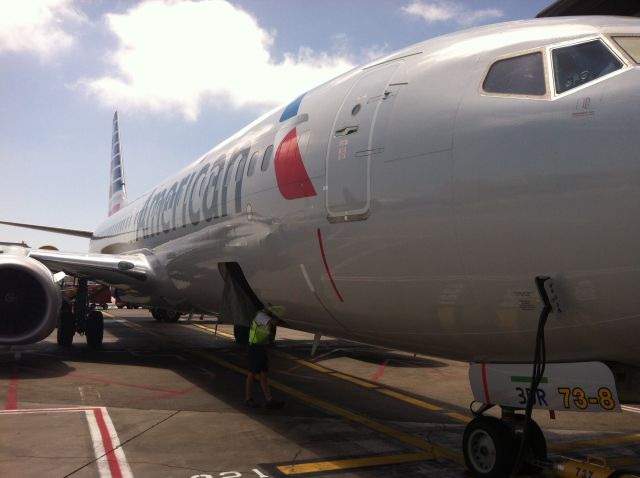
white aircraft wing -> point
(115, 269)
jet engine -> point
(29, 300)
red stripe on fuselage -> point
(326, 266)
(485, 385)
(291, 175)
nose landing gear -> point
(490, 445)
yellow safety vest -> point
(259, 334)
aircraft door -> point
(352, 144)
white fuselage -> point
(424, 227)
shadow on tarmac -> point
(297, 422)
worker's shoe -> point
(275, 403)
(251, 403)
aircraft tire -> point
(171, 316)
(94, 328)
(66, 326)
(155, 313)
(241, 334)
(488, 447)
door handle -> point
(346, 131)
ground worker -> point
(259, 336)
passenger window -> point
(520, 75)
(631, 45)
(252, 163)
(240, 170)
(266, 159)
(577, 65)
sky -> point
(183, 75)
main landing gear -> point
(165, 315)
(490, 445)
(80, 318)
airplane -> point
(451, 199)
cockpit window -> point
(631, 45)
(576, 65)
(519, 75)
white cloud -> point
(172, 56)
(447, 11)
(36, 26)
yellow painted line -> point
(355, 380)
(408, 399)
(318, 368)
(459, 416)
(108, 314)
(435, 451)
(213, 331)
(596, 443)
(306, 363)
(362, 383)
(346, 464)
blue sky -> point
(184, 75)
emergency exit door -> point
(352, 145)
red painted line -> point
(380, 371)
(12, 395)
(114, 464)
(123, 384)
(22, 411)
(160, 397)
(326, 266)
(487, 398)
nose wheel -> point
(490, 446)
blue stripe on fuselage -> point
(292, 108)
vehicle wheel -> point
(488, 447)
(66, 326)
(105, 306)
(156, 314)
(94, 328)
(241, 334)
(129, 306)
(536, 448)
(171, 316)
(119, 306)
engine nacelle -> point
(29, 300)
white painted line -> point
(306, 278)
(125, 470)
(627, 408)
(102, 433)
(98, 445)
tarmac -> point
(167, 400)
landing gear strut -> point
(81, 319)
